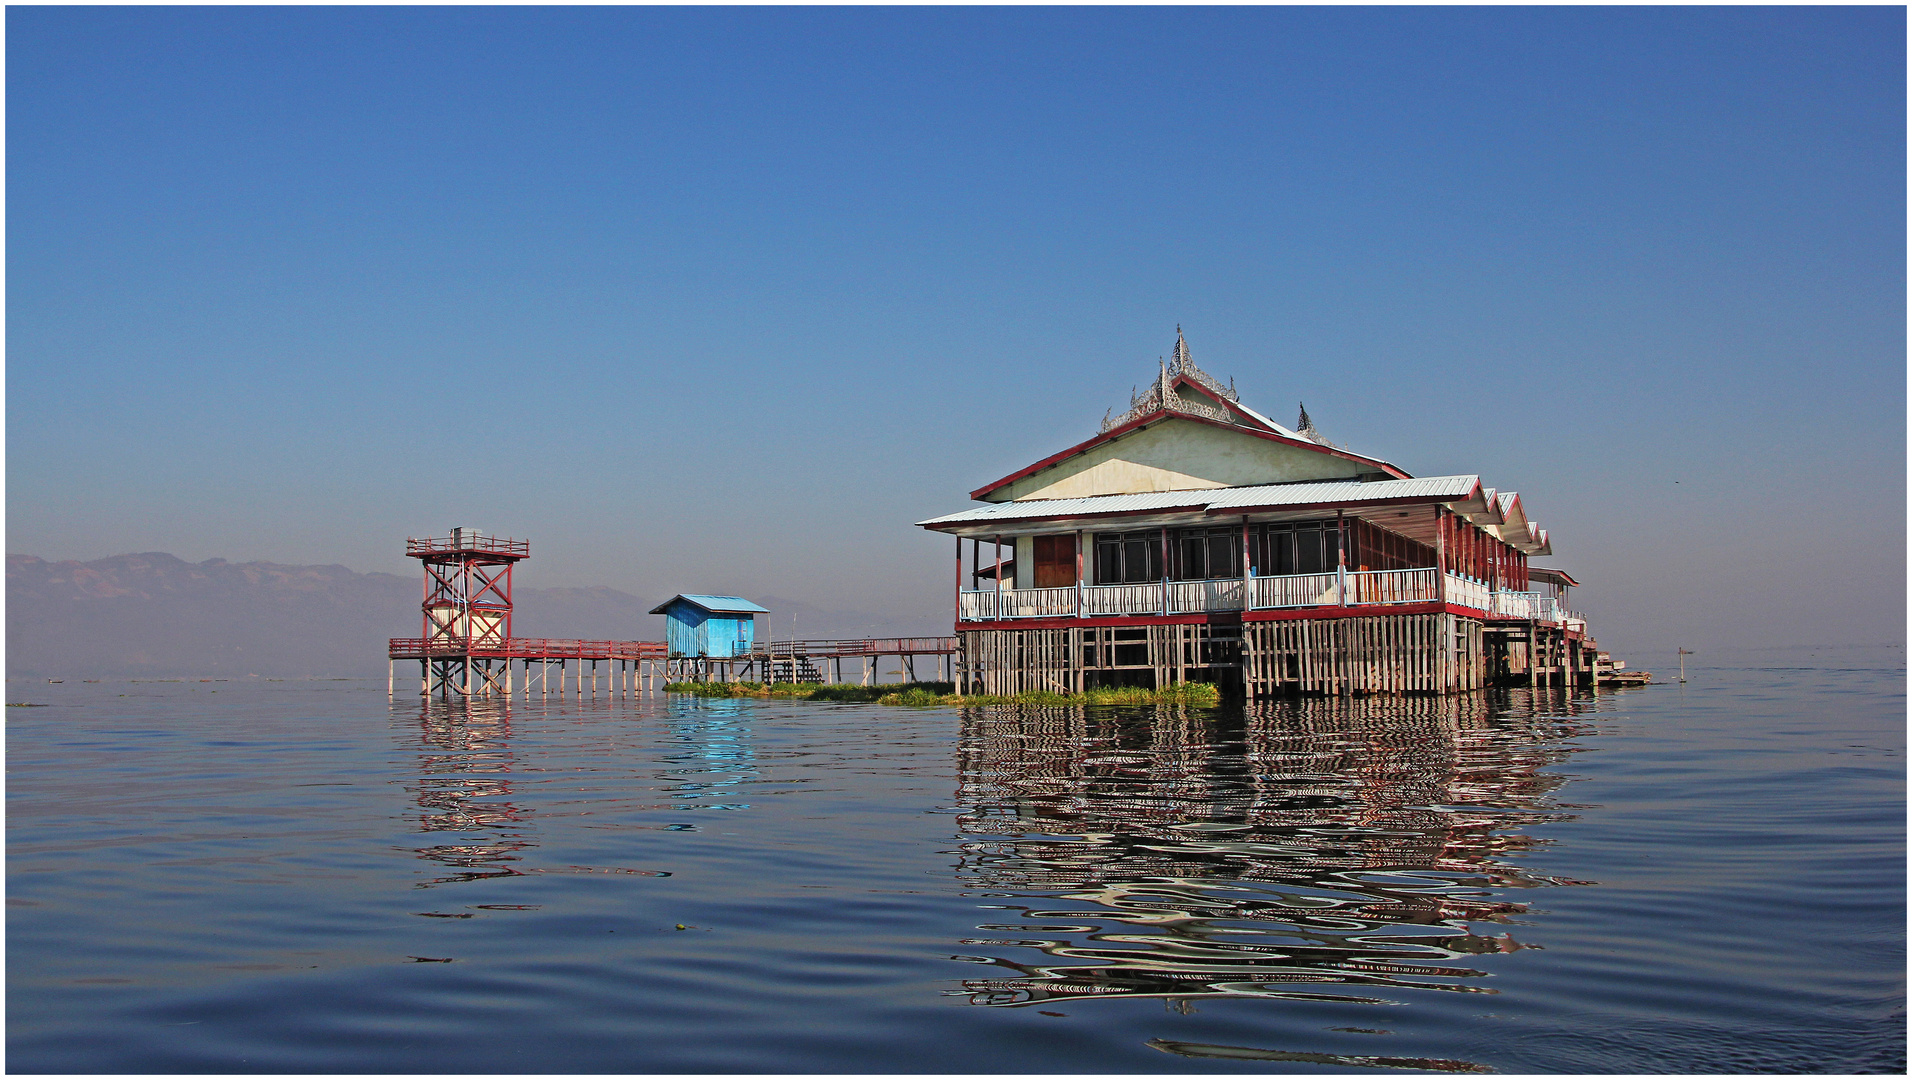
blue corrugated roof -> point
(712, 603)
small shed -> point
(709, 626)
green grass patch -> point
(1205, 695)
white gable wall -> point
(1173, 454)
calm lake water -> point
(295, 876)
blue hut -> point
(708, 626)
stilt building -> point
(1195, 539)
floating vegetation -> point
(928, 693)
(932, 693)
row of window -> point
(1304, 547)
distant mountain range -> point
(154, 614)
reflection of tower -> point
(464, 787)
(467, 606)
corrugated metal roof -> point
(726, 604)
(1423, 487)
(1330, 491)
(1095, 504)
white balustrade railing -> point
(1526, 605)
(1038, 603)
(978, 604)
(1139, 599)
(1468, 593)
(1393, 586)
(1213, 594)
(1292, 590)
(1365, 588)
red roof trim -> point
(1143, 421)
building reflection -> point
(713, 757)
(1339, 850)
(473, 793)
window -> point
(1303, 547)
(1123, 558)
(1208, 553)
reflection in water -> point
(1325, 850)
(1360, 1061)
(713, 755)
(472, 785)
(465, 786)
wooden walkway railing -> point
(574, 649)
(465, 668)
(824, 650)
(525, 648)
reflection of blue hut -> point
(718, 627)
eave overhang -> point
(1552, 576)
(1465, 496)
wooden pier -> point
(467, 648)
(565, 667)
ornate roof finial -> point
(1162, 395)
(1306, 429)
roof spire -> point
(1306, 429)
(1162, 396)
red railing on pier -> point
(573, 649)
(527, 649)
(923, 646)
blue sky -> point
(723, 299)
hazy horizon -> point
(728, 298)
